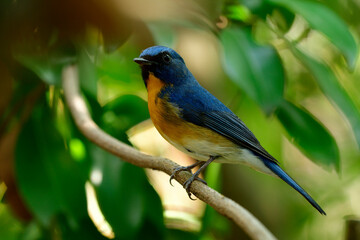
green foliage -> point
(331, 87)
(262, 80)
(49, 171)
(309, 134)
(271, 53)
(322, 19)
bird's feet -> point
(181, 169)
(195, 176)
(188, 182)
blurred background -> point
(288, 69)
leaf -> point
(128, 202)
(154, 220)
(46, 70)
(123, 113)
(163, 33)
(254, 68)
(238, 12)
(48, 178)
(116, 33)
(326, 21)
(87, 73)
(123, 191)
(329, 84)
(118, 75)
(10, 227)
(48, 65)
(309, 135)
(85, 230)
(258, 7)
(119, 190)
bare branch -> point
(225, 206)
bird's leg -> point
(187, 168)
(195, 176)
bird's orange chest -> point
(155, 104)
(164, 116)
(167, 120)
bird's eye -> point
(166, 58)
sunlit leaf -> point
(309, 135)
(254, 68)
(77, 149)
(326, 21)
(238, 12)
(329, 84)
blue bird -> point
(197, 123)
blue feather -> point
(196, 105)
(275, 168)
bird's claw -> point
(176, 171)
(188, 183)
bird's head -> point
(166, 64)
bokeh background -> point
(289, 69)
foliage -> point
(284, 59)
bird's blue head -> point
(166, 64)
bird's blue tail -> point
(275, 168)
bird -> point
(198, 124)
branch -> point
(225, 206)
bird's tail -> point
(275, 168)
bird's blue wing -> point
(200, 107)
(230, 126)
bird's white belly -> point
(202, 150)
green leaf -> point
(119, 190)
(154, 220)
(87, 73)
(238, 12)
(123, 191)
(47, 65)
(128, 202)
(10, 227)
(85, 230)
(163, 33)
(116, 34)
(123, 113)
(118, 74)
(47, 69)
(258, 7)
(254, 68)
(309, 135)
(49, 180)
(326, 21)
(329, 84)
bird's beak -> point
(143, 62)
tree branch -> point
(225, 206)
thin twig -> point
(225, 206)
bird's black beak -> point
(143, 62)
